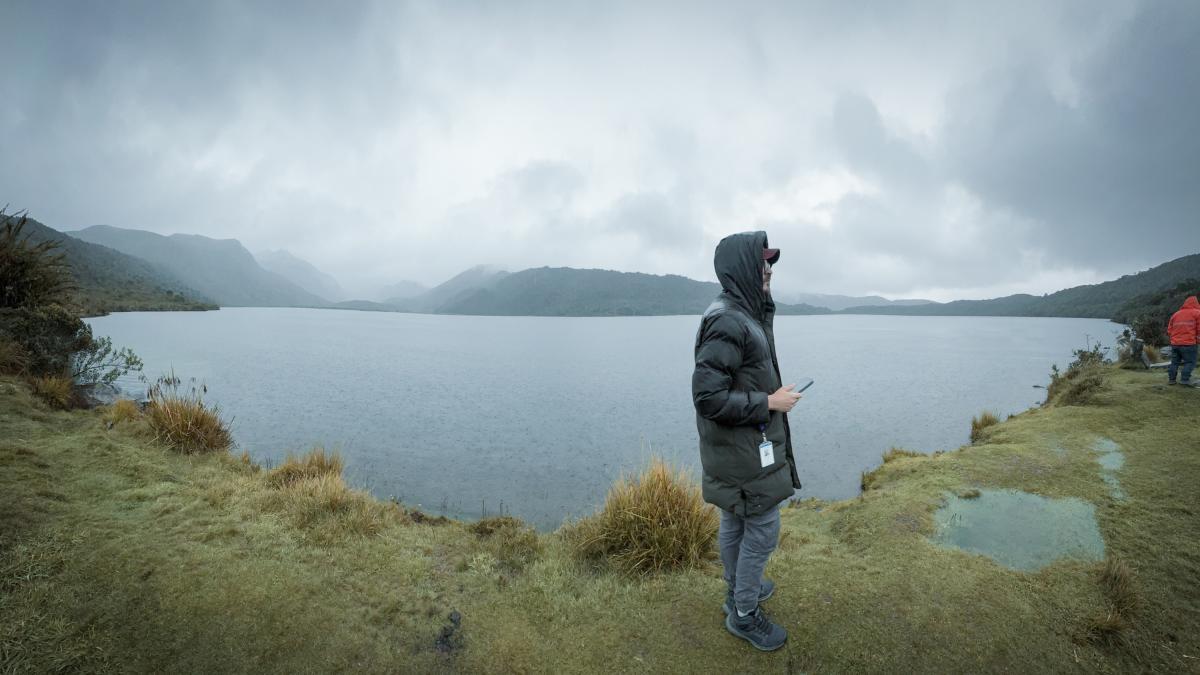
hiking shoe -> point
(1171, 382)
(765, 591)
(757, 629)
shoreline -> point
(196, 562)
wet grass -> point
(118, 554)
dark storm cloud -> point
(1110, 175)
(953, 148)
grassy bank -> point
(118, 554)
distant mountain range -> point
(133, 269)
(565, 291)
(401, 291)
(302, 273)
(840, 302)
(221, 269)
(1106, 300)
(111, 281)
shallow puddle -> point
(1020, 530)
(1111, 460)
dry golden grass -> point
(56, 390)
(329, 507)
(187, 425)
(122, 410)
(654, 522)
(982, 422)
(314, 464)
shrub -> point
(49, 336)
(56, 390)
(122, 410)
(657, 521)
(31, 274)
(983, 421)
(181, 420)
(1081, 381)
(314, 464)
(1081, 389)
(99, 363)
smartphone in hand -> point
(802, 385)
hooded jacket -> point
(1185, 324)
(736, 370)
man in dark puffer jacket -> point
(745, 442)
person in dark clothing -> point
(745, 441)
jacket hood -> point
(1191, 303)
(739, 266)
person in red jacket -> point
(1183, 329)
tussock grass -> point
(57, 391)
(653, 522)
(980, 423)
(121, 410)
(1082, 389)
(14, 359)
(1119, 584)
(314, 464)
(329, 508)
(897, 453)
(187, 425)
(513, 543)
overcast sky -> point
(924, 149)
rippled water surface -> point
(537, 416)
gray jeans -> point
(746, 543)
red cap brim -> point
(771, 255)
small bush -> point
(99, 363)
(513, 543)
(56, 390)
(314, 464)
(1080, 390)
(122, 410)
(1083, 379)
(48, 335)
(657, 521)
(181, 420)
(982, 422)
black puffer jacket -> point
(736, 369)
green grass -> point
(117, 554)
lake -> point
(535, 417)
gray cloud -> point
(941, 148)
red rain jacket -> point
(1185, 323)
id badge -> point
(766, 454)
